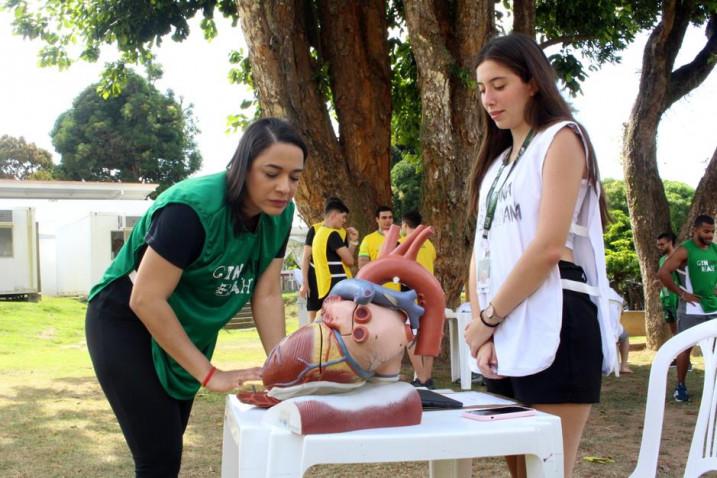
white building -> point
(19, 259)
(66, 231)
(58, 237)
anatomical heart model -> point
(341, 372)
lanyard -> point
(493, 195)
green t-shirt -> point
(702, 273)
(668, 298)
(218, 283)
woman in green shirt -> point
(203, 249)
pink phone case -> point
(524, 412)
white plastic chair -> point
(703, 450)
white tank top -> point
(526, 342)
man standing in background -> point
(371, 244)
(328, 254)
(697, 301)
(666, 246)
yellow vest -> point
(324, 269)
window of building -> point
(6, 240)
(117, 239)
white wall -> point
(18, 274)
(72, 264)
(73, 257)
(101, 226)
(75, 249)
(84, 251)
(48, 263)
(53, 214)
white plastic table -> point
(444, 439)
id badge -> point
(483, 273)
(483, 268)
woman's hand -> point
(476, 334)
(225, 382)
(303, 291)
(487, 361)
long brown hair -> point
(520, 54)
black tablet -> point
(435, 401)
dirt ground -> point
(610, 443)
(64, 428)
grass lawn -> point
(56, 422)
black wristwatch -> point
(489, 317)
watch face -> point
(490, 312)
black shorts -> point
(669, 313)
(313, 303)
(575, 375)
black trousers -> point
(152, 422)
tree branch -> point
(690, 76)
(567, 40)
(705, 199)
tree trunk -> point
(659, 88)
(524, 17)
(705, 198)
(287, 51)
(445, 38)
(354, 41)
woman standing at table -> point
(203, 249)
(538, 286)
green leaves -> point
(241, 75)
(114, 79)
(569, 69)
(406, 183)
(590, 32)
(74, 30)
(209, 28)
(621, 258)
(135, 134)
(405, 97)
(22, 160)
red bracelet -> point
(209, 376)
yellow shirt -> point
(370, 247)
(426, 255)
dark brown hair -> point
(335, 204)
(412, 218)
(704, 219)
(520, 54)
(381, 209)
(259, 136)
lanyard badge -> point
(483, 262)
(493, 193)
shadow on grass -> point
(64, 428)
(614, 430)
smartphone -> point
(499, 413)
